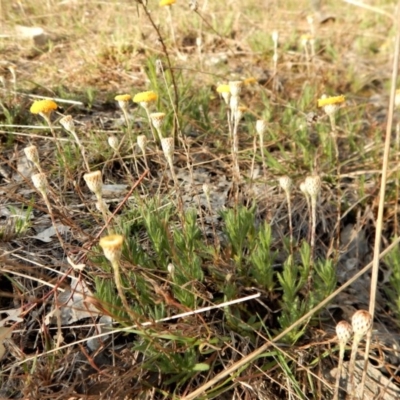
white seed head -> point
(68, 123)
(171, 269)
(329, 109)
(157, 119)
(236, 88)
(261, 126)
(142, 142)
(112, 247)
(40, 182)
(123, 105)
(32, 154)
(303, 188)
(239, 113)
(286, 183)
(113, 142)
(226, 96)
(193, 5)
(313, 185)
(361, 322)
(168, 146)
(94, 182)
(343, 331)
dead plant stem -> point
(385, 166)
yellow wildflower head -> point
(327, 101)
(330, 104)
(223, 89)
(164, 3)
(123, 100)
(144, 98)
(304, 39)
(123, 97)
(250, 81)
(225, 92)
(43, 107)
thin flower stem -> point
(235, 151)
(156, 140)
(290, 220)
(121, 293)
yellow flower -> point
(123, 97)
(145, 97)
(330, 101)
(250, 81)
(43, 107)
(164, 3)
(223, 89)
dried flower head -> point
(32, 154)
(168, 146)
(361, 322)
(142, 142)
(343, 331)
(113, 142)
(68, 123)
(303, 188)
(313, 185)
(261, 126)
(112, 247)
(193, 5)
(43, 107)
(164, 3)
(236, 88)
(171, 269)
(145, 98)
(157, 119)
(285, 183)
(239, 113)
(40, 182)
(94, 182)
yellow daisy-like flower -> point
(145, 97)
(223, 89)
(123, 97)
(43, 107)
(330, 101)
(250, 81)
(164, 3)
